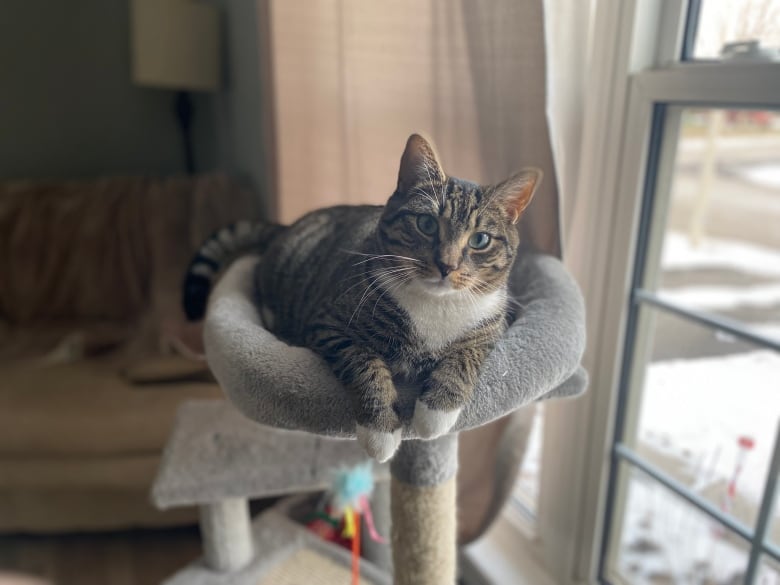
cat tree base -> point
(217, 459)
(286, 553)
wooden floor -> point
(124, 558)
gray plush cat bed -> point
(292, 388)
(288, 387)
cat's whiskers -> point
(392, 287)
(484, 288)
(472, 299)
(442, 190)
(479, 281)
(361, 275)
(362, 300)
(435, 204)
(387, 278)
(371, 257)
(428, 169)
(374, 272)
(372, 287)
(388, 275)
(390, 266)
(363, 278)
(426, 195)
(379, 277)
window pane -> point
(768, 572)
(721, 243)
(525, 495)
(774, 525)
(661, 538)
(727, 21)
(704, 409)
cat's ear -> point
(516, 192)
(419, 163)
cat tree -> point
(288, 387)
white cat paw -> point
(429, 423)
(378, 444)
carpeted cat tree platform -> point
(288, 387)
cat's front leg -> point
(447, 389)
(367, 378)
(374, 394)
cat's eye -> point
(479, 240)
(427, 224)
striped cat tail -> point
(221, 248)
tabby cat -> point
(414, 292)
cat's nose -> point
(445, 268)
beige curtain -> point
(353, 78)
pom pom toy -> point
(351, 485)
(346, 502)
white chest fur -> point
(440, 319)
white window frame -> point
(631, 71)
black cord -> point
(184, 114)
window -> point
(696, 451)
(675, 247)
(730, 25)
(524, 501)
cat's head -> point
(446, 234)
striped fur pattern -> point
(413, 292)
(216, 252)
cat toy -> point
(348, 502)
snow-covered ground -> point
(694, 410)
(680, 254)
(693, 414)
(666, 540)
(721, 298)
(766, 175)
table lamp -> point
(175, 44)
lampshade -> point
(175, 44)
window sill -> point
(501, 556)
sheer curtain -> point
(568, 27)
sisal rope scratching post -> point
(289, 387)
(423, 488)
